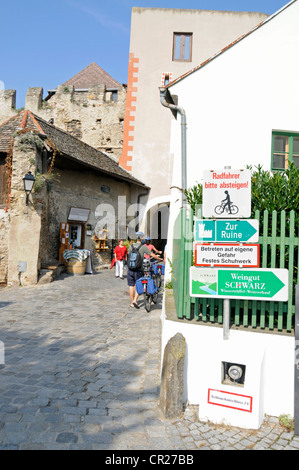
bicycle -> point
(146, 286)
(233, 209)
(158, 270)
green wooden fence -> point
(279, 241)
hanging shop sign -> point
(78, 214)
(227, 255)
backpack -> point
(135, 259)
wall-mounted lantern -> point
(28, 184)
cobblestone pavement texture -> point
(82, 371)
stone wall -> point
(30, 234)
(7, 104)
(95, 116)
(23, 239)
(4, 226)
(83, 189)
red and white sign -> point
(227, 194)
(230, 400)
(227, 255)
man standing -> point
(134, 274)
(120, 254)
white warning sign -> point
(227, 194)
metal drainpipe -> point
(182, 112)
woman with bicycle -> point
(151, 247)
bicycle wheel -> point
(234, 209)
(218, 210)
(158, 281)
(147, 302)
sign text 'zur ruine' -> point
(231, 231)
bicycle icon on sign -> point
(227, 206)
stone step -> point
(50, 273)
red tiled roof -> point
(23, 120)
(69, 148)
(92, 75)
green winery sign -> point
(254, 284)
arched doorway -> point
(156, 224)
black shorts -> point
(132, 277)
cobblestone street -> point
(82, 371)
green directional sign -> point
(240, 231)
(255, 284)
(237, 230)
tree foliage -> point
(278, 191)
(272, 191)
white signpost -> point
(224, 244)
(227, 194)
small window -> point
(285, 149)
(114, 95)
(182, 47)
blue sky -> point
(46, 42)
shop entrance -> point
(76, 235)
(72, 232)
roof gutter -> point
(178, 109)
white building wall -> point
(232, 105)
(151, 45)
(235, 101)
(269, 376)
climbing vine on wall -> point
(41, 179)
(8, 170)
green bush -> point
(275, 191)
(272, 191)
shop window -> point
(285, 149)
(182, 47)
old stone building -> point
(76, 185)
(89, 106)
